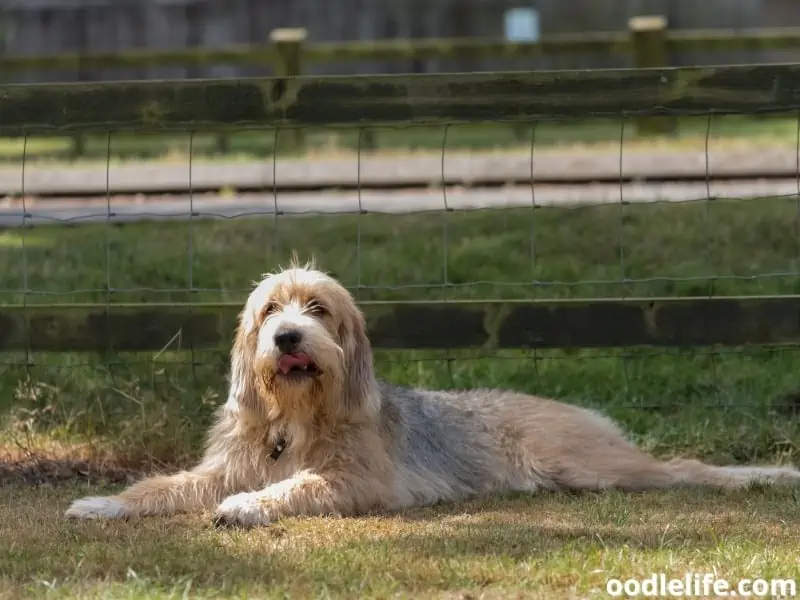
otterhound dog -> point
(308, 430)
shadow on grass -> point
(35, 470)
(445, 547)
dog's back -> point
(441, 450)
(452, 444)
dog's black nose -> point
(287, 340)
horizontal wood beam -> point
(591, 323)
(466, 48)
(195, 56)
(693, 40)
(726, 40)
(396, 99)
(326, 52)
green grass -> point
(724, 405)
(143, 410)
(262, 143)
(547, 546)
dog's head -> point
(301, 349)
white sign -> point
(522, 24)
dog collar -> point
(278, 449)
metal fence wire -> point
(654, 278)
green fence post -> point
(78, 146)
(223, 142)
(288, 45)
(649, 46)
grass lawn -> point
(140, 411)
(549, 546)
(262, 143)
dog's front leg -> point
(305, 494)
(160, 495)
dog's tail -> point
(626, 467)
(694, 472)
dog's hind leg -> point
(159, 495)
(576, 448)
(626, 467)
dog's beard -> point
(299, 394)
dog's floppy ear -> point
(359, 375)
(243, 391)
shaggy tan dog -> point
(308, 430)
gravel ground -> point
(128, 208)
(457, 168)
(419, 182)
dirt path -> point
(457, 168)
(124, 208)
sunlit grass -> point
(72, 414)
(517, 546)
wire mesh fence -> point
(671, 304)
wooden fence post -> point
(78, 149)
(649, 45)
(288, 45)
(223, 143)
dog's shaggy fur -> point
(308, 430)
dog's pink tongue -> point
(288, 361)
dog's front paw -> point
(243, 510)
(97, 507)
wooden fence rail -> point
(363, 101)
(622, 43)
(487, 325)
(649, 42)
(218, 104)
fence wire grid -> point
(27, 212)
(451, 238)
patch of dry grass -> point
(543, 546)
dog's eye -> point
(269, 308)
(316, 309)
